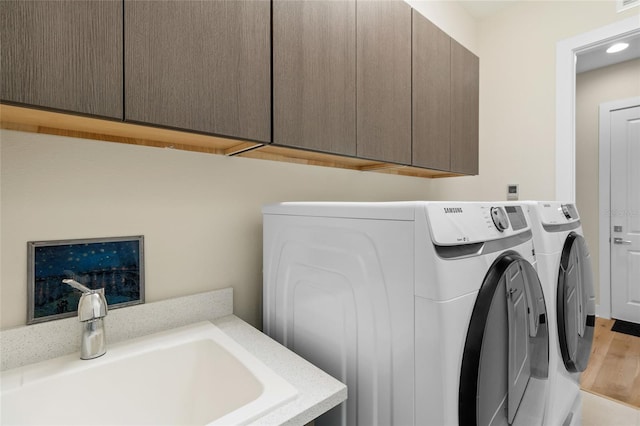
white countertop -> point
(318, 392)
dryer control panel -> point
(557, 213)
(569, 211)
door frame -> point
(604, 198)
(566, 51)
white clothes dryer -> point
(432, 313)
(564, 266)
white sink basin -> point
(194, 375)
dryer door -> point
(575, 304)
(506, 355)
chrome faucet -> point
(92, 308)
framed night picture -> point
(115, 264)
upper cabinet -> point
(431, 99)
(375, 80)
(445, 101)
(199, 65)
(464, 110)
(365, 83)
(342, 77)
(314, 75)
(65, 55)
(384, 81)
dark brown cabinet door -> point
(431, 95)
(464, 110)
(384, 81)
(314, 75)
(199, 65)
(64, 55)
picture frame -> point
(113, 263)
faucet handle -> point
(92, 305)
(75, 284)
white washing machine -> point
(432, 313)
(564, 266)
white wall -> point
(517, 49)
(451, 18)
(200, 213)
(615, 82)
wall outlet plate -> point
(512, 192)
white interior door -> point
(625, 214)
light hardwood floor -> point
(614, 367)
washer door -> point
(505, 361)
(575, 304)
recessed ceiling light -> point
(618, 47)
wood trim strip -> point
(55, 123)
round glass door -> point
(505, 363)
(575, 304)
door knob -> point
(618, 240)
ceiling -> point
(590, 59)
(597, 57)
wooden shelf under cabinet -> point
(54, 123)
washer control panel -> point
(499, 218)
(454, 223)
(516, 217)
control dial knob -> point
(500, 219)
